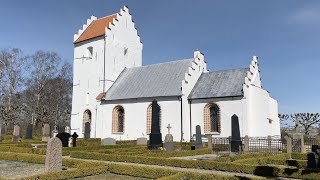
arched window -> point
(86, 126)
(118, 117)
(212, 121)
(149, 118)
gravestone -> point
(142, 141)
(64, 138)
(199, 144)
(2, 132)
(74, 139)
(87, 130)
(155, 135)
(53, 155)
(209, 141)
(108, 141)
(46, 132)
(313, 157)
(55, 131)
(67, 129)
(16, 133)
(168, 141)
(236, 142)
(29, 131)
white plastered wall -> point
(136, 118)
(262, 110)
(228, 107)
(198, 67)
(88, 76)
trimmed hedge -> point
(241, 156)
(189, 175)
(80, 168)
(266, 171)
(179, 153)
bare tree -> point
(12, 78)
(306, 120)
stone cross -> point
(169, 127)
(54, 155)
(74, 139)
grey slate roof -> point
(158, 80)
(219, 84)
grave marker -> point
(155, 135)
(53, 155)
(74, 139)
(199, 144)
(16, 133)
(108, 141)
(46, 132)
(29, 131)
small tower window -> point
(125, 51)
(89, 52)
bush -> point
(210, 165)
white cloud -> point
(307, 15)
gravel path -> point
(13, 169)
(187, 169)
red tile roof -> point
(96, 28)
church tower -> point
(102, 49)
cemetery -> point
(65, 156)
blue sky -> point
(284, 34)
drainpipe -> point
(181, 119)
(190, 119)
(104, 65)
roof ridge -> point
(227, 70)
(106, 16)
(168, 62)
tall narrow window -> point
(149, 118)
(89, 52)
(87, 98)
(212, 121)
(118, 118)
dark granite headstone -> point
(199, 144)
(313, 160)
(29, 131)
(155, 135)
(313, 157)
(87, 129)
(64, 138)
(74, 139)
(235, 134)
(2, 132)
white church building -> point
(113, 91)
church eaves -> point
(217, 84)
(96, 28)
(157, 80)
